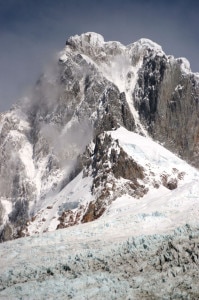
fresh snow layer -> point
(149, 153)
(184, 64)
(146, 43)
(94, 39)
(156, 212)
(160, 210)
(78, 191)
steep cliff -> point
(166, 97)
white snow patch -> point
(92, 38)
(63, 58)
(7, 206)
(26, 153)
(76, 192)
(147, 43)
(147, 152)
(179, 87)
(184, 64)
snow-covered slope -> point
(131, 252)
(164, 193)
(140, 248)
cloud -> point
(68, 144)
(54, 109)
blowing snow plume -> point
(68, 143)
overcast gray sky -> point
(32, 31)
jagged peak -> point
(93, 43)
(149, 43)
(92, 38)
(96, 39)
(145, 43)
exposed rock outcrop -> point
(166, 97)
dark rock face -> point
(150, 78)
(117, 164)
(167, 101)
(109, 163)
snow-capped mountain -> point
(106, 147)
(82, 138)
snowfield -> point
(164, 208)
(143, 248)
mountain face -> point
(63, 159)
